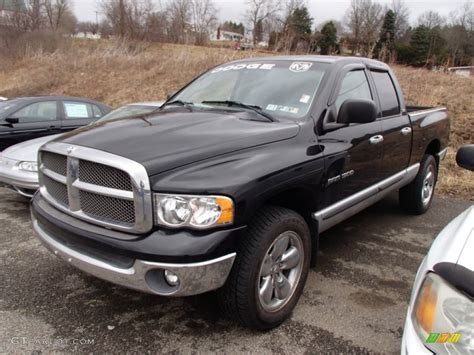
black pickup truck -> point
(229, 185)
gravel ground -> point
(355, 299)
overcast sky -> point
(321, 10)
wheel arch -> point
(303, 201)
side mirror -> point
(12, 120)
(465, 157)
(357, 111)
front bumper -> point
(202, 262)
(23, 182)
(411, 342)
(146, 276)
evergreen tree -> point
(328, 42)
(385, 45)
(420, 43)
(299, 25)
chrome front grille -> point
(55, 162)
(114, 210)
(56, 190)
(104, 175)
(111, 190)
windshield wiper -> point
(177, 102)
(254, 108)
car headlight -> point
(28, 166)
(198, 212)
(443, 317)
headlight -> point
(443, 317)
(197, 212)
(28, 166)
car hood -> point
(176, 137)
(28, 150)
(455, 243)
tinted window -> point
(96, 111)
(78, 110)
(37, 112)
(387, 93)
(353, 86)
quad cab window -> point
(389, 102)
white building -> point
(223, 35)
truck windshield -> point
(279, 88)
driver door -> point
(34, 120)
(353, 156)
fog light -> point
(171, 278)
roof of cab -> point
(319, 59)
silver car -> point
(18, 163)
(440, 316)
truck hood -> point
(28, 150)
(176, 137)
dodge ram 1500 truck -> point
(230, 183)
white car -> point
(18, 163)
(440, 316)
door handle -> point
(405, 130)
(376, 139)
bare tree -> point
(402, 16)
(59, 15)
(203, 18)
(28, 16)
(431, 19)
(258, 12)
(128, 18)
(364, 19)
(179, 12)
(459, 35)
(285, 33)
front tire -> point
(416, 197)
(270, 269)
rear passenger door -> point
(395, 124)
(78, 113)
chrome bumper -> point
(146, 276)
(19, 179)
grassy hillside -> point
(118, 73)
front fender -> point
(249, 177)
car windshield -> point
(128, 111)
(8, 105)
(279, 88)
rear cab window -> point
(389, 102)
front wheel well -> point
(303, 202)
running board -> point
(338, 212)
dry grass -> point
(118, 73)
(426, 88)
